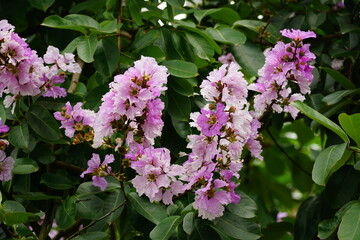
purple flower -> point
(99, 171)
(3, 127)
(6, 166)
(211, 122)
(297, 35)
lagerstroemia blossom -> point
(286, 75)
(24, 73)
(99, 171)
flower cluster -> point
(157, 178)
(226, 128)
(24, 73)
(6, 166)
(75, 119)
(132, 104)
(286, 75)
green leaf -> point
(93, 98)
(151, 211)
(19, 136)
(351, 125)
(71, 47)
(25, 166)
(318, 117)
(344, 81)
(43, 5)
(176, 3)
(226, 15)
(234, 226)
(338, 96)
(165, 228)
(253, 25)
(227, 35)
(180, 68)
(349, 228)
(109, 26)
(328, 226)
(135, 12)
(43, 123)
(87, 47)
(2, 113)
(204, 35)
(66, 213)
(113, 201)
(87, 189)
(56, 181)
(76, 22)
(188, 223)
(106, 57)
(246, 208)
(181, 127)
(200, 46)
(14, 213)
(181, 86)
(315, 19)
(89, 207)
(179, 107)
(36, 196)
(153, 51)
(92, 236)
(328, 161)
(145, 40)
(249, 56)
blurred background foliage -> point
(295, 193)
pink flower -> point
(6, 166)
(211, 122)
(99, 171)
(297, 35)
(3, 127)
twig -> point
(96, 220)
(75, 77)
(287, 155)
(263, 31)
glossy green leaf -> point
(188, 222)
(349, 228)
(328, 226)
(179, 107)
(226, 15)
(14, 213)
(234, 226)
(56, 181)
(181, 127)
(93, 99)
(338, 96)
(318, 117)
(71, 47)
(77, 22)
(165, 228)
(328, 161)
(19, 135)
(43, 123)
(253, 25)
(351, 125)
(106, 57)
(25, 166)
(200, 46)
(2, 113)
(204, 35)
(90, 207)
(246, 208)
(153, 51)
(249, 56)
(66, 213)
(227, 35)
(344, 81)
(43, 5)
(134, 9)
(180, 68)
(36, 196)
(145, 40)
(176, 3)
(315, 19)
(181, 86)
(109, 26)
(86, 48)
(151, 211)
(112, 202)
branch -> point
(97, 220)
(75, 77)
